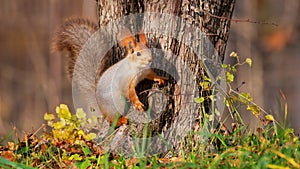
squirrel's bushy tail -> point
(71, 37)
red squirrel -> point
(119, 80)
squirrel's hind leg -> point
(122, 120)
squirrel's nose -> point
(149, 59)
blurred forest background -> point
(33, 80)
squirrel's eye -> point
(138, 53)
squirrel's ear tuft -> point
(126, 39)
(128, 42)
(142, 38)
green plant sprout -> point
(70, 145)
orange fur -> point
(126, 43)
(152, 76)
(142, 38)
(132, 96)
(73, 35)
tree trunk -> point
(176, 47)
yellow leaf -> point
(289, 159)
(63, 112)
(80, 114)
(49, 116)
(94, 120)
(59, 125)
(245, 97)
(63, 106)
(249, 62)
(205, 85)
(90, 136)
(199, 100)
(211, 117)
(75, 157)
(273, 166)
(269, 117)
(224, 66)
(80, 133)
(230, 77)
(254, 109)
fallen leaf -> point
(9, 155)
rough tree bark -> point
(212, 17)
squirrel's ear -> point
(126, 39)
(128, 42)
(142, 38)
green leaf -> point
(10, 164)
(86, 151)
(85, 164)
(249, 62)
(49, 116)
(233, 69)
(199, 100)
(230, 77)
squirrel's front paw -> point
(160, 80)
(138, 105)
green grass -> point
(273, 145)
